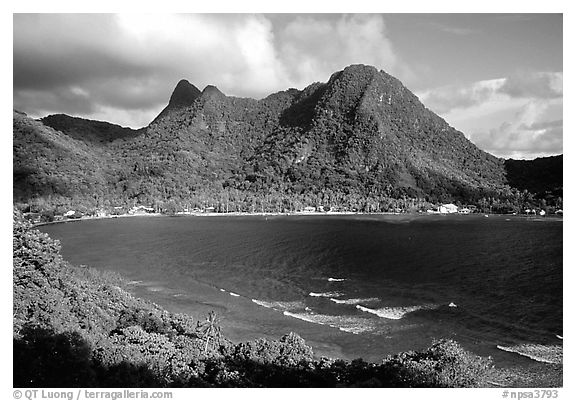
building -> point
(141, 210)
(448, 208)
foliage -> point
(541, 176)
(209, 329)
(444, 364)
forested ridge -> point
(359, 142)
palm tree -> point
(209, 329)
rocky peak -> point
(184, 94)
(211, 92)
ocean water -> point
(352, 286)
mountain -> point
(183, 96)
(50, 162)
(96, 132)
(366, 131)
(359, 141)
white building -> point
(448, 208)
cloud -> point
(519, 139)
(312, 49)
(539, 85)
(518, 116)
(90, 64)
(447, 98)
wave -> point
(326, 294)
(135, 282)
(560, 337)
(155, 289)
(222, 289)
(396, 312)
(234, 294)
(336, 279)
(349, 324)
(538, 352)
(354, 301)
(281, 305)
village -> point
(142, 210)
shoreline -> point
(527, 372)
(300, 214)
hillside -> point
(361, 141)
(48, 162)
(96, 132)
(541, 176)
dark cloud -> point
(39, 102)
(46, 71)
(78, 64)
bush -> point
(444, 364)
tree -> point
(210, 329)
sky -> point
(498, 78)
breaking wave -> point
(538, 352)
(354, 301)
(396, 312)
(336, 279)
(234, 294)
(155, 289)
(281, 305)
(326, 294)
(350, 324)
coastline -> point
(301, 214)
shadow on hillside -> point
(539, 176)
(45, 359)
(301, 112)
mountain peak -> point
(212, 92)
(184, 94)
(354, 71)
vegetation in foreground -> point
(75, 327)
